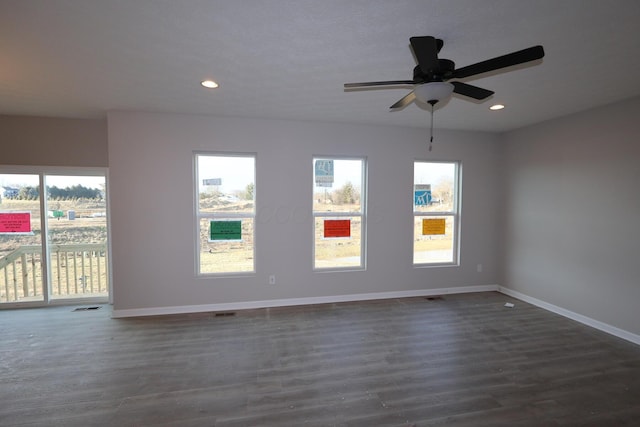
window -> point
(435, 213)
(339, 201)
(225, 211)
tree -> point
(29, 193)
(443, 190)
(347, 194)
(249, 191)
(75, 192)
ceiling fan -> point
(431, 75)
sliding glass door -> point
(53, 243)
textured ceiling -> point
(288, 59)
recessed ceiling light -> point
(496, 107)
(209, 84)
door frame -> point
(43, 171)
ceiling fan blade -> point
(426, 50)
(406, 100)
(515, 58)
(471, 91)
(387, 83)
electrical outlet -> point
(479, 268)
(272, 279)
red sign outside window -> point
(337, 228)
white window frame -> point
(222, 216)
(340, 215)
(454, 214)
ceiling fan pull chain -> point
(431, 139)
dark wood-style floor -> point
(463, 360)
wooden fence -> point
(75, 270)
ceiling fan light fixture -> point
(433, 92)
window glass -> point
(339, 215)
(53, 242)
(77, 236)
(436, 216)
(226, 213)
(21, 278)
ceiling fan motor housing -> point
(443, 72)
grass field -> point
(221, 256)
(89, 226)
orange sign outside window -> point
(434, 226)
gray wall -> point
(152, 208)
(572, 212)
(551, 211)
(42, 141)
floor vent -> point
(226, 314)
(87, 308)
(434, 298)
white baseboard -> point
(246, 305)
(156, 311)
(620, 333)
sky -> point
(60, 181)
(231, 168)
(432, 172)
(344, 170)
(237, 172)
